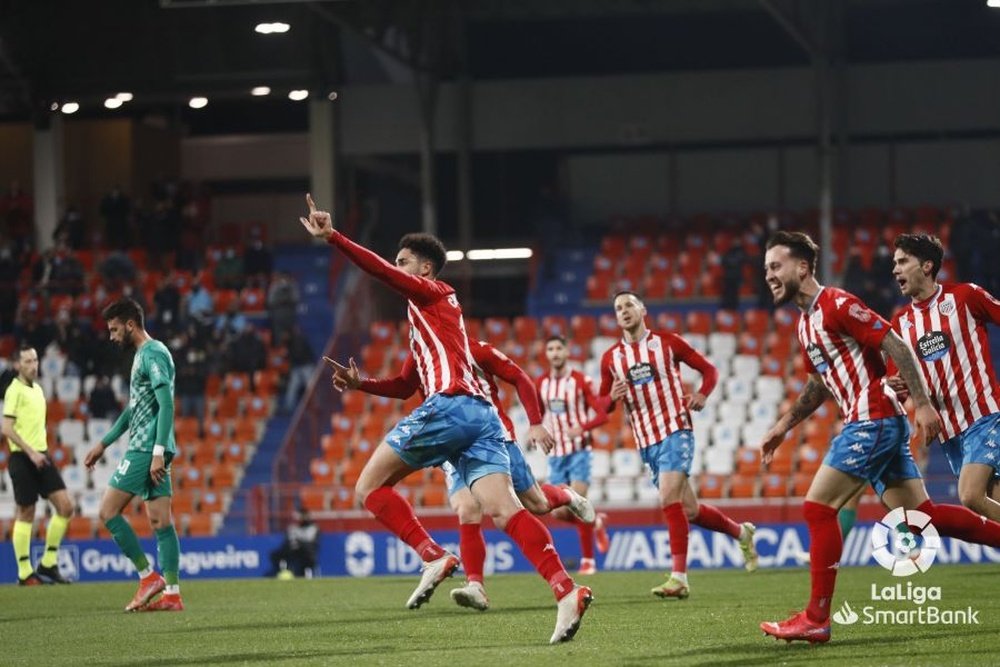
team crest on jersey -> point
(946, 307)
(905, 324)
(934, 345)
(859, 312)
(654, 343)
(557, 406)
(641, 373)
(817, 358)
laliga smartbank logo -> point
(905, 542)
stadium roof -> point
(168, 50)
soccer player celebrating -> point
(945, 324)
(642, 370)
(489, 364)
(144, 470)
(455, 423)
(842, 341)
(33, 473)
(567, 398)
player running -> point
(567, 399)
(642, 370)
(455, 423)
(945, 325)
(489, 364)
(144, 470)
(842, 342)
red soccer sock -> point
(556, 495)
(711, 518)
(586, 531)
(535, 542)
(393, 512)
(825, 545)
(677, 524)
(472, 549)
(962, 523)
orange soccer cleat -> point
(149, 587)
(166, 602)
(798, 627)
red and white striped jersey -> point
(566, 402)
(948, 334)
(491, 363)
(440, 347)
(438, 342)
(841, 340)
(651, 367)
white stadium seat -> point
(725, 437)
(619, 490)
(75, 478)
(697, 341)
(722, 345)
(71, 432)
(753, 432)
(97, 429)
(738, 390)
(646, 491)
(626, 463)
(732, 414)
(769, 388)
(600, 464)
(90, 502)
(68, 388)
(538, 462)
(746, 366)
(718, 461)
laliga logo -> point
(898, 549)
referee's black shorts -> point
(31, 482)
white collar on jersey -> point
(641, 338)
(812, 306)
(929, 301)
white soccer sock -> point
(173, 589)
(680, 576)
(145, 573)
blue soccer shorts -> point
(672, 454)
(876, 450)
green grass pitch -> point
(363, 621)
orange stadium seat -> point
(342, 498)
(525, 329)
(183, 502)
(235, 453)
(435, 476)
(756, 321)
(670, 322)
(200, 525)
(607, 325)
(314, 498)
(473, 328)
(237, 383)
(774, 486)
(711, 486)
(742, 486)
(800, 484)
(583, 327)
(382, 331)
(727, 321)
(259, 407)
(186, 429)
(245, 431)
(810, 459)
(322, 471)
(497, 330)
(223, 476)
(655, 287)
(747, 461)
(699, 322)
(80, 528)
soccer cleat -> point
(472, 595)
(798, 628)
(601, 533)
(587, 567)
(672, 588)
(149, 587)
(571, 610)
(580, 506)
(433, 573)
(165, 602)
(31, 580)
(750, 558)
(51, 573)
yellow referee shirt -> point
(26, 405)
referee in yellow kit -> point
(33, 473)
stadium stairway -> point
(310, 265)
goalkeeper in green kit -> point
(144, 469)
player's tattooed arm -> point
(906, 365)
(925, 419)
(813, 395)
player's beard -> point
(789, 290)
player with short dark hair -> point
(33, 473)
(568, 400)
(842, 342)
(642, 371)
(945, 325)
(144, 469)
(490, 364)
(455, 423)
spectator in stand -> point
(301, 361)
(229, 272)
(77, 341)
(9, 273)
(200, 305)
(167, 300)
(11, 372)
(72, 228)
(116, 209)
(32, 328)
(884, 290)
(247, 354)
(117, 269)
(230, 324)
(282, 304)
(58, 271)
(257, 261)
(102, 403)
(190, 359)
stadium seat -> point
(726, 437)
(433, 495)
(626, 463)
(810, 459)
(718, 461)
(746, 367)
(800, 484)
(774, 486)
(539, 463)
(711, 486)
(743, 486)
(727, 321)
(525, 329)
(722, 345)
(71, 432)
(75, 478)
(314, 498)
(747, 461)
(183, 502)
(619, 490)
(200, 525)
(322, 471)
(699, 322)
(80, 528)
(600, 463)
(670, 323)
